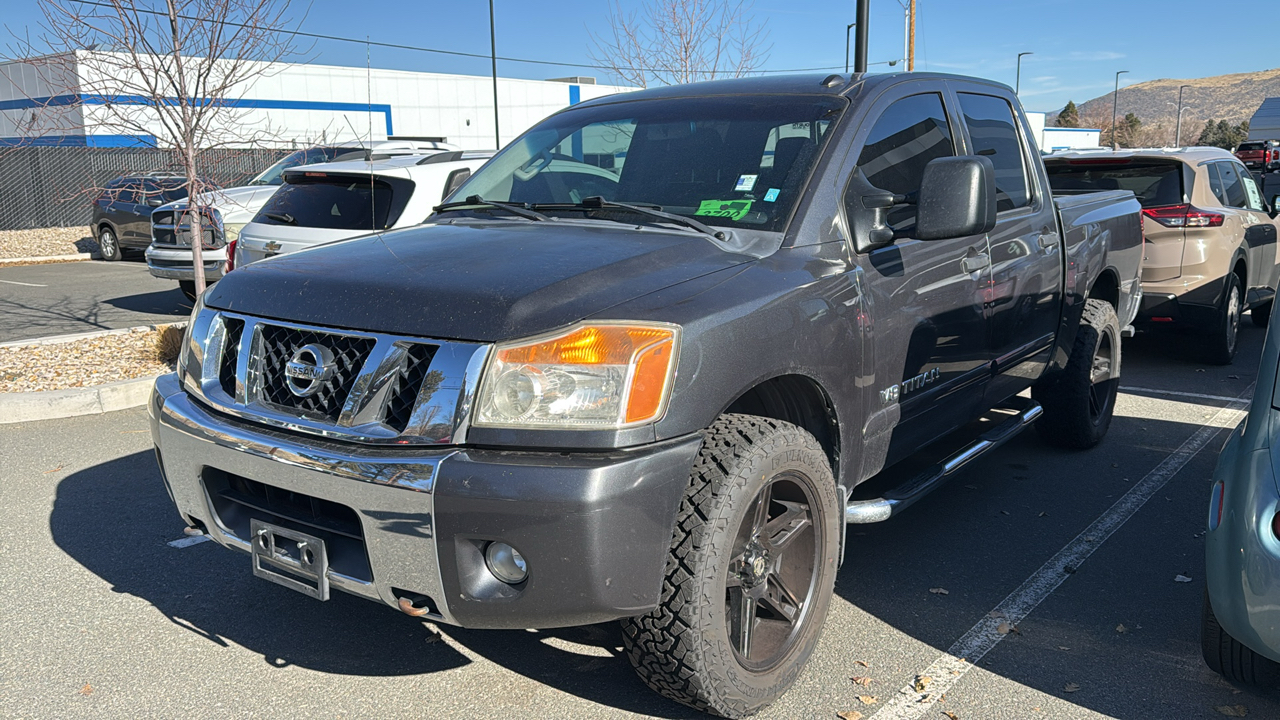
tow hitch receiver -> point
(286, 557)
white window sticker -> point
(1255, 198)
(746, 183)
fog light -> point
(506, 563)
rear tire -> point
(109, 244)
(188, 289)
(1223, 340)
(750, 572)
(1229, 658)
(1079, 402)
(1261, 314)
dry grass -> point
(168, 343)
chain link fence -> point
(44, 187)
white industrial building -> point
(1052, 139)
(63, 103)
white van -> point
(335, 201)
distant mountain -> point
(1222, 97)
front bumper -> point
(594, 528)
(176, 263)
(1242, 555)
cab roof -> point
(1191, 155)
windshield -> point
(737, 161)
(336, 202)
(1156, 183)
(274, 175)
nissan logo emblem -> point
(310, 367)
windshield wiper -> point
(596, 202)
(285, 218)
(522, 209)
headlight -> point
(594, 376)
(231, 231)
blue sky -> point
(1078, 44)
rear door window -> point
(1236, 196)
(127, 192)
(907, 136)
(1215, 183)
(336, 202)
(993, 131)
(1155, 183)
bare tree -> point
(669, 42)
(176, 75)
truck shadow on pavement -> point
(162, 302)
(211, 591)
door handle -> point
(976, 262)
(1048, 240)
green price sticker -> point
(732, 209)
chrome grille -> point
(383, 388)
(170, 230)
(230, 356)
(279, 343)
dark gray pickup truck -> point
(637, 368)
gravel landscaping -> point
(88, 361)
(44, 242)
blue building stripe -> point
(242, 103)
(575, 94)
(101, 141)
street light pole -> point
(1017, 83)
(1177, 140)
(1115, 102)
(847, 28)
(493, 56)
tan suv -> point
(1210, 236)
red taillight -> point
(231, 257)
(1183, 216)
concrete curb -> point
(79, 257)
(72, 337)
(54, 404)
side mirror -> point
(957, 198)
(155, 201)
(1275, 206)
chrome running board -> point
(858, 512)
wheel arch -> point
(1106, 287)
(800, 400)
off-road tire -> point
(1229, 657)
(682, 649)
(1224, 337)
(109, 244)
(1078, 410)
(1261, 314)
(189, 289)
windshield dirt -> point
(739, 161)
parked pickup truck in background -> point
(652, 391)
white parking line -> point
(1202, 396)
(183, 542)
(15, 282)
(952, 665)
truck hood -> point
(236, 205)
(483, 281)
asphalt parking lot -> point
(61, 298)
(101, 617)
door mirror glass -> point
(155, 200)
(957, 198)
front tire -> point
(1229, 658)
(1079, 402)
(750, 572)
(1222, 341)
(109, 244)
